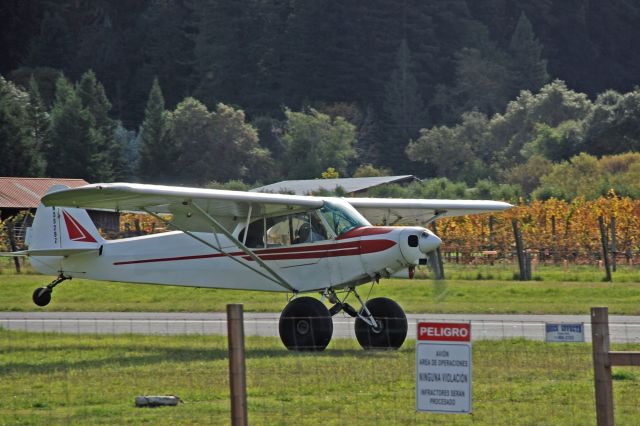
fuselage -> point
(175, 258)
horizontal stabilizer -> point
(49, 252)
(22, 253)
(59, 252)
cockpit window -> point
(306, 227)
(342, 217)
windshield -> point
(341, 216)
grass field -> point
(93, 379)
(89, 379)
(469, 290)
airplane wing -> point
(225, 206)
(393, 211)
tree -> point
(191, 130)
(580, 176)
(444, 153)
(214, 146)
(369, 138)
(558, 143)
(528, 70)
(315, 141)
(52, 47)
(330, 173)
(486, 189)
(38, 118)
(167, 30)
(527, 175)
(74, 146)
(156, 151)
(236, 148)
(44, 77)
(19, 144)
(403, 110)
(128, 143)
(481, 84)
(613, 127)
(369, 170)
(458, 152)
(443, 188)
(94, 99)
(514, 128)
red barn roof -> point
(25, 193)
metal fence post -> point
(602, 366)
(237, 371)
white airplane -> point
(249, 241)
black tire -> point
(42, 296)
(305, 325)
(392, 325)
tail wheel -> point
(391, 327)
(305, 325)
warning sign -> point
(443, 367)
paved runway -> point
(622, 328)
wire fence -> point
(87, 368)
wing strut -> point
(275, 277)
(437, 215)
(245, 249)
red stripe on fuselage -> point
(352, 248)
(365, 231)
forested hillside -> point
(509, 95)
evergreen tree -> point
(528, 68)
(94, 99)
(156, 150)
(403, 111)
(368, 142)
(18, 145)
(38, 118)
(225, 58)
(74, 145)
(52, 47)
(167, 30)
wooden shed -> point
(19, 194)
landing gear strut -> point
(381, 324)
(42, 295)
(305, 325)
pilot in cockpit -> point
(311, 230)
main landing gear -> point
(42, 295)
(306, 325)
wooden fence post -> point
(614, 243)
(519, 250)
(12, 243)
(237, 371)
(605, 248)
(601, 365)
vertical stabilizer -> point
(62, 228)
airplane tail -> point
(62, 231)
